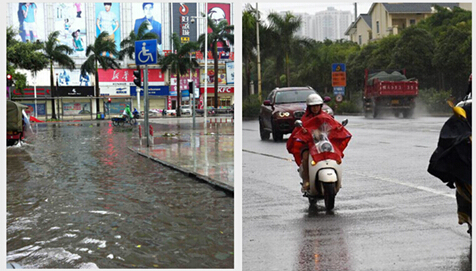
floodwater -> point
(77, 197)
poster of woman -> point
(31, 22)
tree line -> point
(437, 51)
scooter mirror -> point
(298, 123)
(344, 122)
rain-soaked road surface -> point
(390, 214)
(77, 197)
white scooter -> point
(325, 176)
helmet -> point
(314, 99)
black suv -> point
(281, 108)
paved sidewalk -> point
(204, 152)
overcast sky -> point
(310, 7)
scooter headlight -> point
(326, 147)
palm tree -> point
(221, 33)
(95, 58)
(178, 62)
(128, 44)
(57, 52)
(249, 44)
(282, 29)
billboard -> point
(72, 78)
(183, 81)
(151, 14)
(218, 13)
(31, 21)
(78, 108)
(108, 20)
(230, 72)
(70, 22)
(211, 76)
(125, 77)
(181, 21)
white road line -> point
(423, 188)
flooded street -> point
(77, 197)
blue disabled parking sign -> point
(146, 52)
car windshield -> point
(296, 96)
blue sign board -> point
(338, 67)
(153, 90)
(146, 52)
(339, 90)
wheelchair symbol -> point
(144, 53)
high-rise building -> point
(329, 24)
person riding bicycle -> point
(127, 113)
(313, 118)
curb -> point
(227, 188)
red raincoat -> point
(338, 136)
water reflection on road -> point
(77, 197)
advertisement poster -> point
(31, 109)
(149, 13)
(31, 21)
(211, 76)
(126, 76)
(182, 25)
(70, 22)
(71, 109)
(108, 20)
(230, 73)
(72, 78)
(218, 13)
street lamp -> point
(204, 16)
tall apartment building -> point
(329, 24)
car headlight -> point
(284, 114)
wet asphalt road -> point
(390, 213)
(77, 197)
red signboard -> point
(221, 89)
(127, 76)
(338, 79)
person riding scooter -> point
(127, 113)
(313, 118)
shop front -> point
(184, 87)
(157, 98)
(76, 102)
(226, 96)
(42, 102)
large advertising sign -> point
(125, 77)
(83, 108)
(211, 76)
(72, 78)
(181, 21)
(41, 109)
(230, 73)
(218, 13)
(108, 18)
(70, 22)
(75, 91)
(30, 22)
(153, 91)
(41, 91)
(150, 14)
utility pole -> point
(259, 60)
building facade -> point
(80, 23)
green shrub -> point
(251, 106)
(434, 101)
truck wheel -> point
(329, 195)
(277, 136)
(262, 132)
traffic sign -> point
(339, 90)
(338, 75)
(338, 67)
(146, 52)
(339, 98)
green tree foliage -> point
(436, 51)
(249, 18)
(21, 55)
(221, 33)
(178, 61)
(59, 53)
(96, 56)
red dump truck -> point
(389, 90)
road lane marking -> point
(269, 155)
(423, 188)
